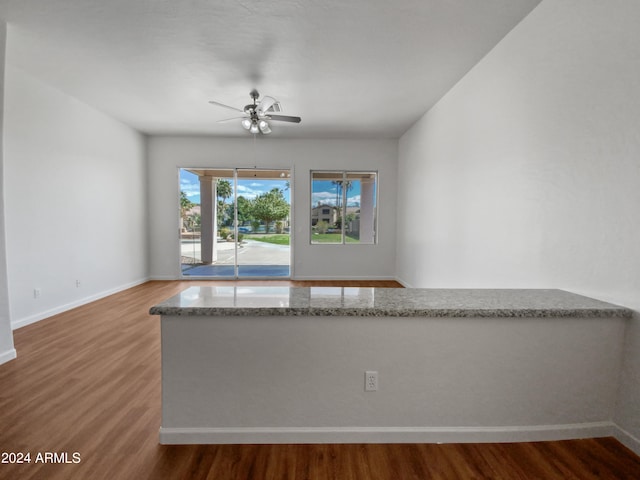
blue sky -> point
(324, 193)
(248, 188)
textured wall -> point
(167, 154)
(75, 200)
(7, 351)
(527, 173)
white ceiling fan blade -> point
(230, 119)
(285, 118)
(265, 104)
(212, 102)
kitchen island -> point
(251, 364)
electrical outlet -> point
(370, 381)
(37, 292)
(77, 283)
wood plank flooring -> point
(88, 381)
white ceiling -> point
(349, 68)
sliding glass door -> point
(235, 223)
(264, 220)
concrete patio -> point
(255, 259)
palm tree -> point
(338, 184)
(348, 184)
(185, 206)
(223, 191)
(185, 203)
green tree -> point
(185, 204)
(322, 226)
(223, 191)
(244, 210)
(270, 207)
(339, 185)
(228, 209)
(350, 218)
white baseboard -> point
(23, 322)
(168, 278)
(181, 436)
(293, 277)
(7, 356)
(628, 440)
(340, 277)
(403, 283)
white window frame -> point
(343, 213)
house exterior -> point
(325, 213)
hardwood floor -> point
(88, 381)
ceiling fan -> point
(257, 115)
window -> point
(343, 207)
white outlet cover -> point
(370, 381)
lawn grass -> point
(276, 238)
(283, 239)
(330, 238)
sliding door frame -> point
(236, 275)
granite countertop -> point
(383, 302)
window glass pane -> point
(343, 207)
(326, 203)
(205, 197)
(361, 207)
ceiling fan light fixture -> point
(264, 127)
(258, 115)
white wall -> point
(527, 173)
(301, 379)
(166, 154)
(7, 352)
(75, 200)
